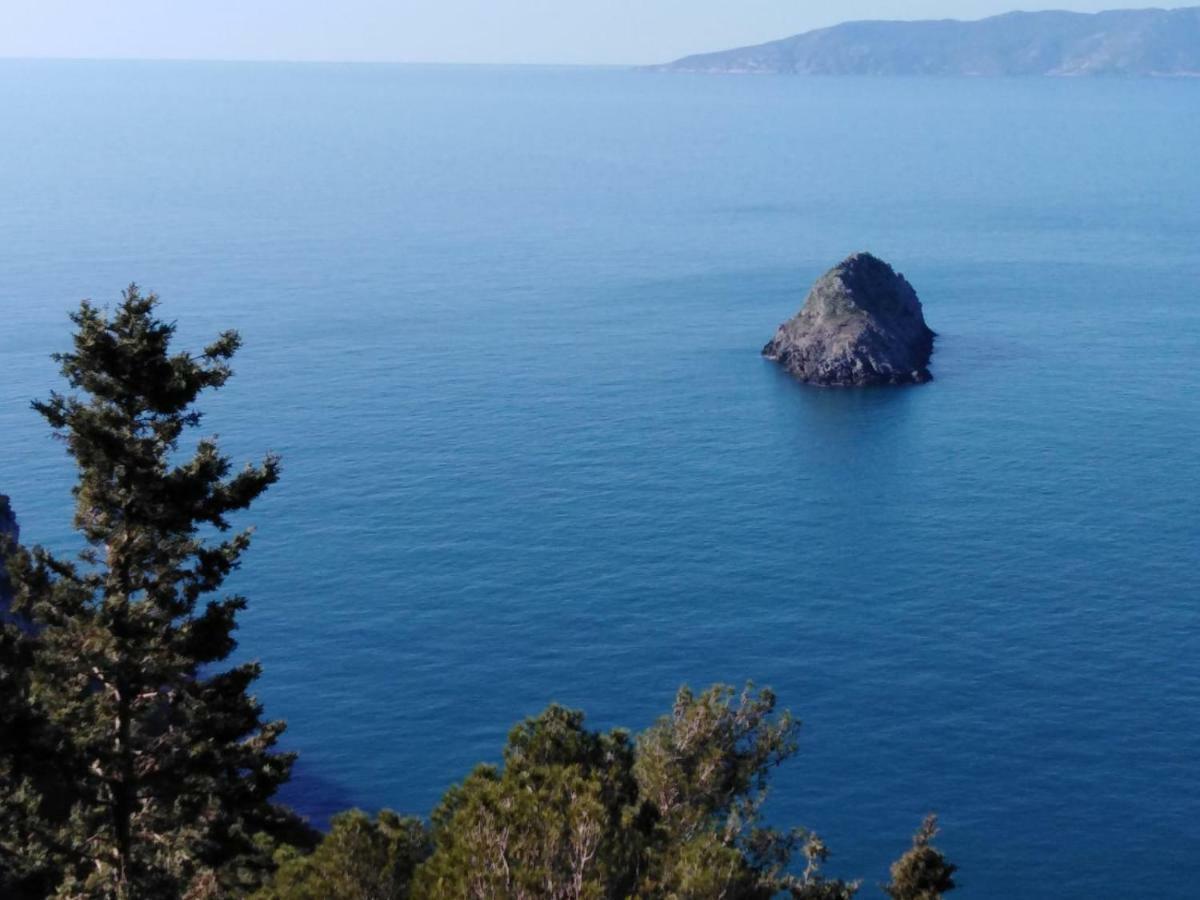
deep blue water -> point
(504, 326)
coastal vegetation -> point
(135, 762)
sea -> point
(504, 326)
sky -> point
(615, 32)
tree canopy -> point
(573, 813)
(163, 765)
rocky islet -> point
(862, 324)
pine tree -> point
(163, 766)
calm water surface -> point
(504, 326)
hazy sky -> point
(527, 31)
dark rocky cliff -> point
(9, 531)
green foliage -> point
(560, 819)
(580, 814)
(704, 769)
(162, 766)
(922, 873)
(360, 859)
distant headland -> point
(1119, 42)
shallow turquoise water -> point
(504, 326)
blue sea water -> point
(504, 324)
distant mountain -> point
(1122, 42)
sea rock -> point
(861, 324)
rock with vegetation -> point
(1119, 42)
(862, 324)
